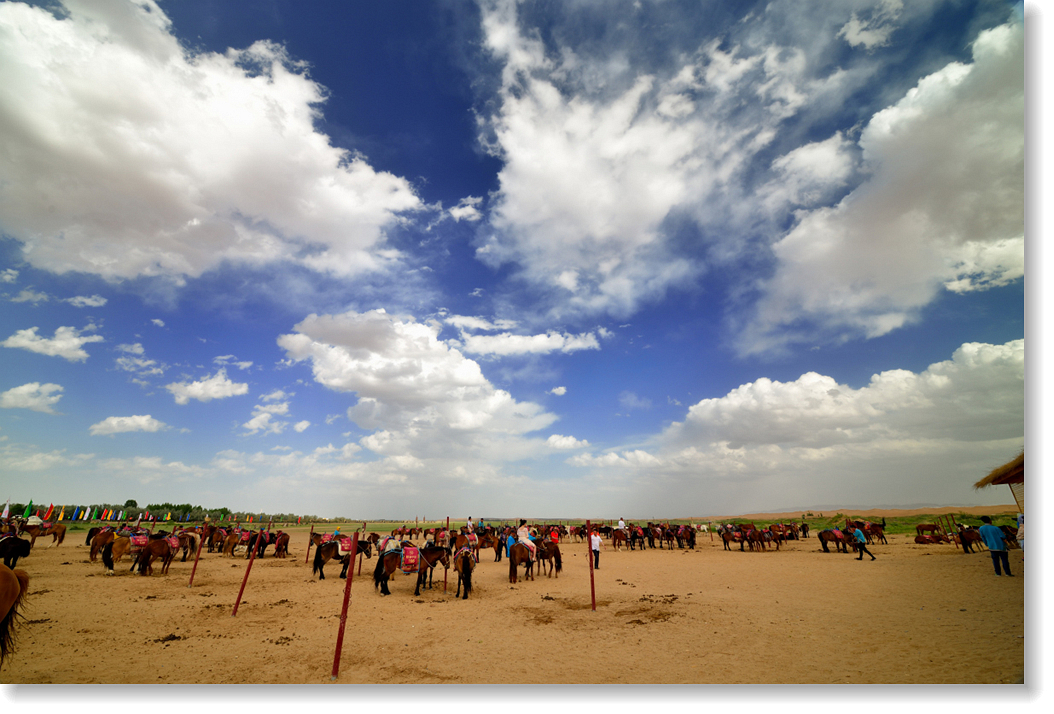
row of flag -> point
(107, 514)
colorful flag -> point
(7, 510)
(29, 509)
(62, 513)
(51, 511)
(168, 516)
(75, 512)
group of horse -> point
(748, 535)
(966, 536)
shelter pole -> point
(252, 557)
(589, 557)
(446, 569)
(310, 539)
(710, 527)
(344, 608)
(197, 555)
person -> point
(468, 525)
(996, 542)
(621, 524)
(861, 543)
(594, 544)
(523, 535)
(554, 535)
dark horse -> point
(327, 551)
(12, 548)
(389, 562)
(154, 549)
(519, 555)
(464, 563)
(832, 536)
(13, 587)
(549, 552)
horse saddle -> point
(245, 536)
(344, 546)
(411, 560)
(139, 541)
(173, 542)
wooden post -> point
(252, 557)
(344, 609)
(446, 569)
(589, 551)
(197, 555)
(310, 539)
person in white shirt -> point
(594, 544)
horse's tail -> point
(378, 571)
(512, 565)
(316, 564)
(87, 538)
(468, 562)
(107, 555)
(883, 521)
(556, 555)
(7, 632)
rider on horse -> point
(523, 535)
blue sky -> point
(495, 258)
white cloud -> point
(8, 275)
(507, 344)
(135, 361)
(417, 394)
(469, 322)
(217, 386)
(199, 158)
(30, 295)
(159, 323)
(629, 401)
(558, 391)
(943, 208)
(83, 301)
(301, 426)
(231, 360)
(119, 425)
(557, 441)
(67, 343)
(875, 30)
(35, 396)
(467, 209)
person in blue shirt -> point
(996, 542)
(861, 543)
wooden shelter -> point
(1012, 474)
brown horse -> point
(832, 536)
(389, 562)
(281, 545)
(12, 548)
(114, 551)
(57, 531)
(153, 550)
(519, 555)
(464, 564)
(99, 541)
(13, 587)
(618, 539)
(549, 552)
(327, 551)
(927, 528)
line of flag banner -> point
(107, 514)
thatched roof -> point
(1010, 472)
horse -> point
(686, 537)
(13, 587)
(967, 537)
(188, 540)
(618, 537)
(12, 548)
(930, 539)
(154, 549)
(259, 540)
(636, 538)
(231, 542)
(327, 551)
(730, 535)
(57, 531)
(549, 552)
(464, 563)
(281, 545)
(101, 538)
(520, 554)
(927, 528)
(389, 562)
(832, 536)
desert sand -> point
(918, 614)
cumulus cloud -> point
(558, 441)
(134, 360)
(508, 344)
(200, 158)
(35, 396)
(68, 342)
(301, 426)
(216, 386)
(157, 322)
(30, 295)
(558, 391)
(467, 209)
(8, 275)
(232, 361)
(943, 208)
(119, 425)
(416, 393)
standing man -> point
(861, 543)
(594, 544)
(996, 542)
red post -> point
(589, 557)
(197, 555)
(445, 569)
(252, 557)
(344, 609)
(310, 538)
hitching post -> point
(310, 538)
(448, 535)
(201, 541)
(589, 551)
(252, 557)
(344, 609)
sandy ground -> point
(918, 614)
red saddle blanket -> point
(245, 536)
(344, 546)
(173, 542)
(411, 560)
(139, 541)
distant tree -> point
(131, 503)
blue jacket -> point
(859, 535)
(992, 537)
